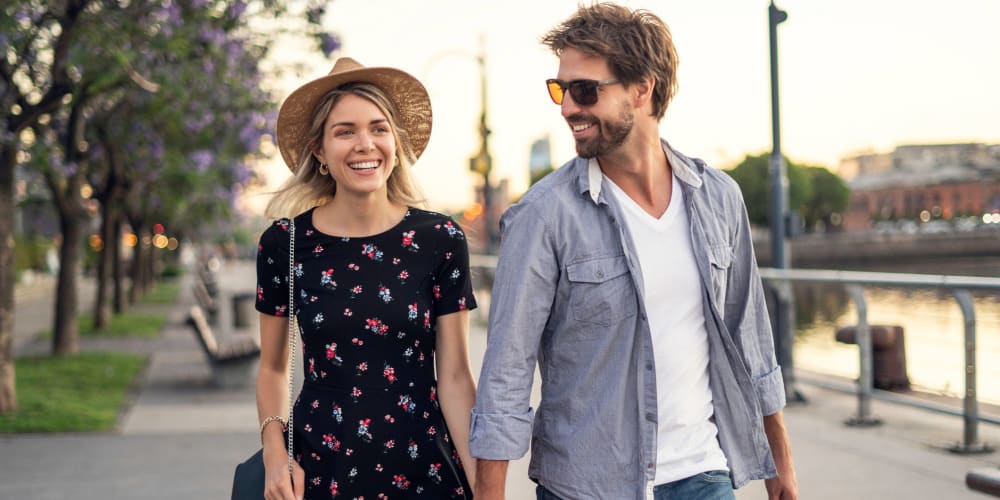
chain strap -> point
(291, 337)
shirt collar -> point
(684, 171)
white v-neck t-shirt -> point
(686, 440)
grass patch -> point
(78, 393)
(121, 325)
(166, 292)
(124, 325)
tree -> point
(752, 176)
(830, 198)
(815, 192)
(66, 64)
(34, 78)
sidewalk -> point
(181, 437)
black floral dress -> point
(367, 422)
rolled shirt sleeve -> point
(746, 316)
(523, 292)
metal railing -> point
(854, 282)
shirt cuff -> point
(770, 390)
(500, 436)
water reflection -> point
(934, 334)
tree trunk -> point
(139, 256)
(105, 263)
(65, 334)
(8, 393)
(119, 271)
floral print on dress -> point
(368, 422)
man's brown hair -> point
(635, 44)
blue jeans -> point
(711, 485)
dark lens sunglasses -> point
(584, 92)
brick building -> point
(943, 180)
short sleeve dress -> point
(367, 422)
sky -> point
(855, 76)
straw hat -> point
(406, 92)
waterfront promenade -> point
(179, 437)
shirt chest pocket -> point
(600, 292)
(721, 257)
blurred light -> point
(96, 243)
(86, 191)
(157, 228)
(991, 218)
(28, 136)
(173, 244)
(836, 219)
(160, 241)
(23, 157)
(146, 241)
(214, 264)
(15, 110)
(130, 240)
(925, 216)
(473, 211)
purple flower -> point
(236, 9)
(156, 149)
(202, 160)
(328, 43)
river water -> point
(932, 321)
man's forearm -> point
(777, 438)
(491, 479)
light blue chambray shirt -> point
(568, 294)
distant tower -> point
(540, 161)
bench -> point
(985, 480)
(207, 278)
(205, 300)
(234, 363)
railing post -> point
(864, 417)
(970, 414)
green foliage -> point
(79, 393)
(29, 253)
(814, 191)
(539, 175)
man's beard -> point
(610, 136)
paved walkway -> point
(180, 438)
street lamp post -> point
(784, 314)
(481, 162)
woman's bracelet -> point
(268, 420)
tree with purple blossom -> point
(157, 105)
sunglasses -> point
(584, 92)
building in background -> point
(922, 183)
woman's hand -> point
(278, 485)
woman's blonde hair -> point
(307, 188)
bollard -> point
(243, 309)
(888, 356)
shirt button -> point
(649, 366)
(651, 417)
(599, 274)
(650, 466)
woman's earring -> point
(323, 169)
(397, 161)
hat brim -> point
(406, 92)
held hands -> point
(278, 485)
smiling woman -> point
(380, 290)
